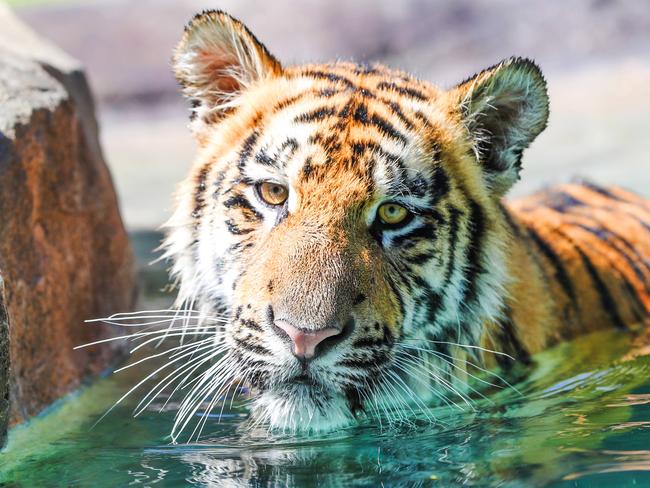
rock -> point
(4, 367)
(64, 253)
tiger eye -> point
(273, 193)
(392, 213)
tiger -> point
(348, 222)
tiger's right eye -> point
(272, 193)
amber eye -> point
(272, 193)
(392, 214)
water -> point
(582, 419)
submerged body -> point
(580, 259)
(348, 220)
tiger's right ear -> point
(215, 61)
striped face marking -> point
(343, 217)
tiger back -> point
(346, 222)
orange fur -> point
(345, 138)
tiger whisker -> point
(449, 360)
(403, 366)
(158, 311)
(141, 382)
(186, 369)
(160, 320)
(417, 367)
(464, 383)
(468, 346)
(216, 388)
(209, 336)
(196, 396)
(389, 401)
(184, 383)
(137, 335)
(411, 394)
(206, 414)
(180, 350)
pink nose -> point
(305, 341)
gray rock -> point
(64, 253)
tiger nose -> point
(304, 341)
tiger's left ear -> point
(505, 107)
(216, 60)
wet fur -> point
(471, 271)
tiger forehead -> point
(342, 120)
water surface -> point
(581, 419)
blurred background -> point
(595, 54)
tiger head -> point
(345, 218)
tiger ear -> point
(216, 60)
(505, 107)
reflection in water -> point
(582, 414)
(621, 461)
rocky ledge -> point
(64, 253)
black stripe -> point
(328, 143)
(382, 125)
(561, 201)
(387, 128)
(256, 348)
(376, 360)
(402, 90)
(324, 93)
(327, 92)
(560, 272)
(476, 228)
(251, 324)
(288, 101)
(240, 201)
(607, 302)
(334, 78)
(430, 299)
(307, 168)
(425, 231)
(439, 186)
(638, 205)
(233, 228)
(420, 258)
(263, 158)
(199, 202)
(315, 115)
(517, 231)
(247, 148)
(367, 342)
(454, 218)
(514, 227)
(629, 288)
(291, 144)
(366, 69)
(398, 296)
(608, 194)
(508, 341)
(603, 234)
(417, 186)
(361, 147)
(434, 303)
(397, 111)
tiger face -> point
(345, 218)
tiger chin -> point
(349, 219)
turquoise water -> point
(582, 419)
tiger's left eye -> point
(392, 214)
(272, 193)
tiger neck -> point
(531, 317)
